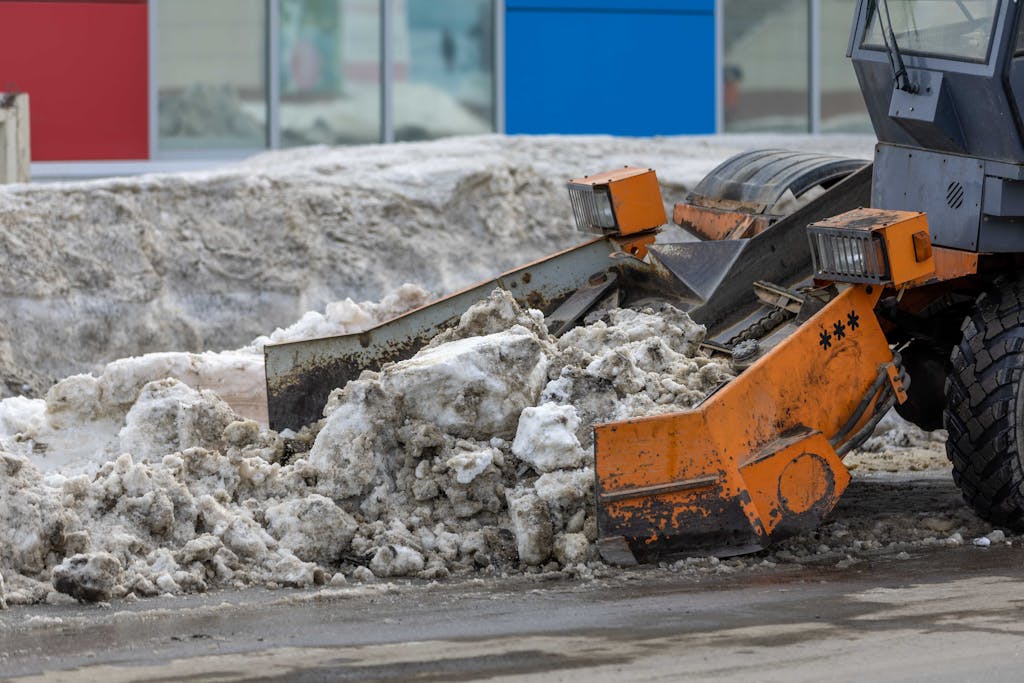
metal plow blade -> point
(759, 460)
(301, 375)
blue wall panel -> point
(610, 66)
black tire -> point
(984, 407)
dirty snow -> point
(433, 466)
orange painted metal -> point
(636, 244)
(636, 198)
(900, 233)
(949, 265)
(719, 223)
(754, 462)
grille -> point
(955, 195)
(848, 255)
(587, 211)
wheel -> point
(985, 407)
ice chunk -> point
(546, 438)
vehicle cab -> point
(943, 81)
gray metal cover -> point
(947, 187)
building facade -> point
(133, 85)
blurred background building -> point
(134, 85)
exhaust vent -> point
(955, 195)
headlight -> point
(848, 255)
(872, 246)
(592, 208)
(625, 201)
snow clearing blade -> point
(760, 458)
(302, 374)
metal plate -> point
(947, 187)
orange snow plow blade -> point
(759, 459)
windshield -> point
(955, 29)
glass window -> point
(842, 105)
(957, 29)
(444, 68)
(329, 71)
(765, 69)
(211, 91)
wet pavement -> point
(940, 614)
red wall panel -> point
(85, 68)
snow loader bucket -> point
(760, 459)
(754, 462)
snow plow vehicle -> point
(893, 284)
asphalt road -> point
(946, 614)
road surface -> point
(943, 614)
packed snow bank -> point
(434, 465)
(94, 271)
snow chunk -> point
(237, 377)
(88, 577)
(396, 560)
(531, 524)
(565, 487)
(20, 415)
(469, 464)
(355, 440)
(546, 438)
(31, 517)
(572, 549)
(497, 313)
(313, 528)
(169, 416)
(477, 385)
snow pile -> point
(476, 454)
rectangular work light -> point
(624, 201)
(870, 246)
